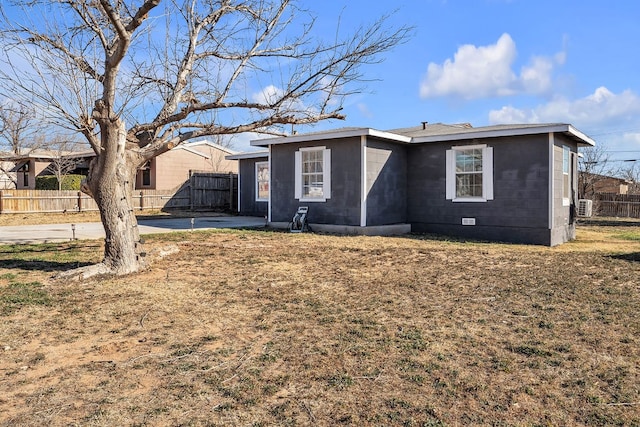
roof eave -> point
(331, 135)
(582, 139)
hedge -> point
(50, 182)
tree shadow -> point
(609, 222)
(33, 257)
(633, 257)
(39, 265)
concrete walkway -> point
(23, 234)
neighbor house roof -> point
(248, 155)
(437, 132)
(193, 146)
(45, 155)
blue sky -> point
(496, 61)
(502, 61)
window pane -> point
(263, 180)
(565, 159)
(312, 176)
(469, 185)
(469, 172)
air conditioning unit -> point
(585, 207)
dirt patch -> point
(260, 328)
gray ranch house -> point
(511, 183)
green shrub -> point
(50, 182)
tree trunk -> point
(110, 182)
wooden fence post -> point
(141, 200)
(79, 201)
(0, 201)
(191, 179)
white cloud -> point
(485, 71)
(267, 95)
(602, 107)
(536, 77)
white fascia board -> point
(495, 133)
(249, 155)
(207, 143)
(587, 141)
(191, 150)
(331, 135)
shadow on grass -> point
(45, 257)
(633, 256)
(610, 222)
(39, 265)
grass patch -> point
(629, 235)
(18, 295)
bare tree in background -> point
(62, 159)
(20, 133)
(139, 77)
(594, 165)
(632, 174)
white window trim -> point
(487, 174)
(566, 201)
(257, 183)
(326, 174)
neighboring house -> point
(7, 177)
(591, 184)
(173, 168)
(514, 183)
(165, 172)
(26, 167)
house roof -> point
(248, 155)
(346, 132)
(192, 147)
(45, 155)
(437, 132)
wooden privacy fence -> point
(616, 205)
(203, 191)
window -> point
(313, 174)
(470, 173)
(24, 171)
(566, 176)
(262, 181)
(146, 174)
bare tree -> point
(139, 77)
(632, 174)
(20, 133)
(62, 159)
(594, 165)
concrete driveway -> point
(22, 234)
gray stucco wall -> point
(248, 204)
(519, 210)
(343, 208)
(386, 183)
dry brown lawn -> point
(255, 328)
